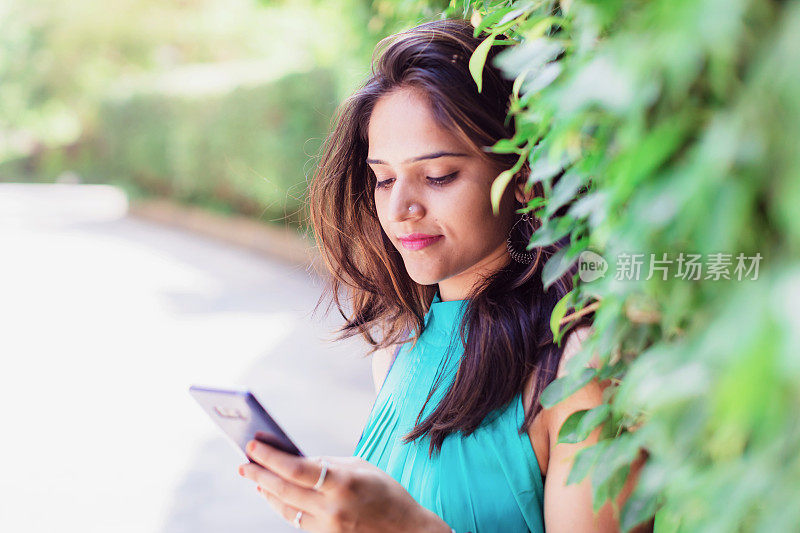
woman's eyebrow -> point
(419, 158)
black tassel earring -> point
(520, 257)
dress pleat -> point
(486, 482)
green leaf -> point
(509, 17)
(592, 205)
(528, 57)
(538, 28)
(563, 387)
(584, 460)
(542, 167)
(505, 146)
(478, 59)
(561, 261)
(612, 371)
(555, 267)
(580, 424)
(541, 79)
(550, 231)
(564, 191)
(535, 203)
(500, 182)
(517, 84)
(610, 488)
(639, 506)
(490, 19)
(559, 310)
(621, 451)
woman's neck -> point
(458, 287)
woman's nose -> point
(406, 202)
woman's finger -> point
(308, 521)
(301, 470)
(286, 491)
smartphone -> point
(242, 418)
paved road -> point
(105, 320)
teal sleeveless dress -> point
(487, 482)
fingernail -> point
(251, 446)
(241, 470)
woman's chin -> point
(424, 278)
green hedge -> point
(248, 149)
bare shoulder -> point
(572, 345)
(541, 430)
(381, 361)
(569, 507)
(587, 397)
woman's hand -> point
(355, 496)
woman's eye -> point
(443, 179)
(435, 181)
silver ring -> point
(322, 474)
(297, 517)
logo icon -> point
(591, 266)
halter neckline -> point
(446, 315)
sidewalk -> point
(109, 318)
(266, 239)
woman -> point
(456, 440)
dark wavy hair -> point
(505, 329)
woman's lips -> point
(417, 243)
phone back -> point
(242, 418)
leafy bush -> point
(247, 148)
(676, 125)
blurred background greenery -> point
(218, 103)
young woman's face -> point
(406, 149)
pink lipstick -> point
(417, 241)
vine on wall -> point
(673, 127)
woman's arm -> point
(568, 508)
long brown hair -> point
(505, 328)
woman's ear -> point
(520, 181)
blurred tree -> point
(59, 60)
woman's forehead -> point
(402, 127)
